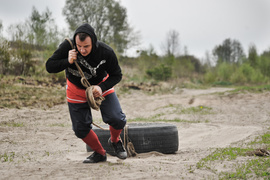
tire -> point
(145, 137)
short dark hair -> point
(82, 36)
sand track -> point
(44, 145)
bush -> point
(247, 74)
(4, 56)
(264, 65)
(224, 71)
(238, 77)
(160, 73)
(209, 77)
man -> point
(100, 67)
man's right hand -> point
(72, 56)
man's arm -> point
(59, 60)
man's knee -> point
(81, 133)
(118, 123)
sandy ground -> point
(45, 146)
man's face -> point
(84, 47)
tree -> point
(39, 30)
(108, 18)
(229, 51)
(171, 46)
(37, 24)
(43, 28)
(1, 26)
(252, 55)
(264, 63)
(4, 56)
(4, 52)
(19, 32)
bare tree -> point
(172, 44)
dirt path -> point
(43, 145)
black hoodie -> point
(100, 62)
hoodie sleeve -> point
(59, 60)
(114, 71)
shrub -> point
(4, 56)
(264, 65)
(238, 77)
(160, 73)
(224, 71)
(209, 77)
(247, 74)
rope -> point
(128, 144)
(94, 103)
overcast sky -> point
(201, 24)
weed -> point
(252, 168)
(57, 125)
(7, 157)
(11, 124)
(203, 110)
(198, 109)
(223, 154)
(264, 139)
(17, 95)
(153, 119)
(191, 169)
(253, 89)
(255, 167)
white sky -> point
(201, 24)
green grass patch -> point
(222, 154)
(264, 139)
(198, 109)
(58, 125)
(176, 109)
(222, 83)
(252, 89)
(252, 169)
(17, 96)
(7, 157)
(11, 124)
(153, 119)
(255, 167)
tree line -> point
(30, 43)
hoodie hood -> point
(86, 28)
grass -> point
(152, 119)
(58, 125)
(11, 124)
(198, 109)
(7, 157)
(264, 139)
(252, 89)
(15, 94)
(253, 168)
(176, 109)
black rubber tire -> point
(146, 137)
